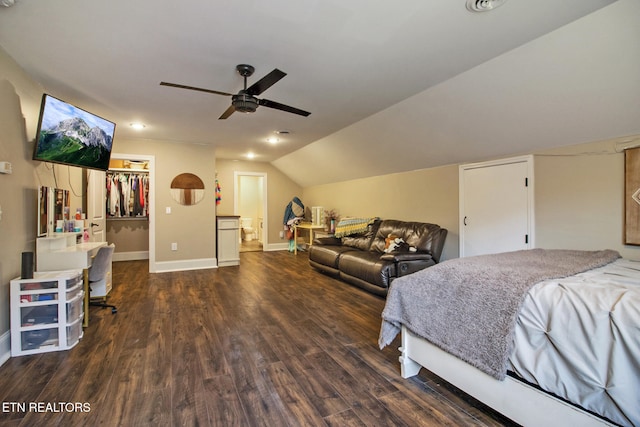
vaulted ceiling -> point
(391, 86)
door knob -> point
(93, 224)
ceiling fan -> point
(245, 101)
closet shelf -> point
(128, 170)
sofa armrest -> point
(330, 240)
(409, 262)
(406, 256)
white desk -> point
(60, 251)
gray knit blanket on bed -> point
(469, 306)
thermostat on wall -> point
(5, 167)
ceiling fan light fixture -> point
(483, 5)
(244, 103)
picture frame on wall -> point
(632, 196)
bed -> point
(546, 337)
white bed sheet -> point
(579, 338)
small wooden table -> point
(305, 226)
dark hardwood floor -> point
(269, 343)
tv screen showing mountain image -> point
(72, 136)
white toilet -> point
(247, 229)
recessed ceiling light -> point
(273, 140)
(483, 5)
(137, 126)
(250, 155)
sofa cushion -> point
(362, 241)
(327, 255)
(420, 235)
(367, 266)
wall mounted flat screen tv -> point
(72, 136)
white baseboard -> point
(130, 256)
(5, 347)
(276, 247)
(187, 264)
(204, 263)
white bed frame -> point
(514, 399)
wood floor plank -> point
(209, 347)
(120, 403)
(414, 414)
(317, 387)
(158, 354)
(151, 408)
(344, 419)
(297, 406)
(188, 400)
(355, 392)
(223, 403)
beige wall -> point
(191, 227)
(578, 199)
(129, 235)
(428, 195)
(280, 191)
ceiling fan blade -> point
(266, 82)
(229, 111)
(195, 88)
(278, 106)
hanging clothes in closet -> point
(127, 194)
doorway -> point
(150, 160)
(250, 203)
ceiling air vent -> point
(483, 5)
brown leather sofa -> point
(362, 261)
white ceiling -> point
(346, 62)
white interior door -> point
(496, 207)
(96, 205)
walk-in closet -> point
(127, 207)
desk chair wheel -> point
(113, 308)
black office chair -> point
(98, 275)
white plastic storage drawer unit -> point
(46, 312)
